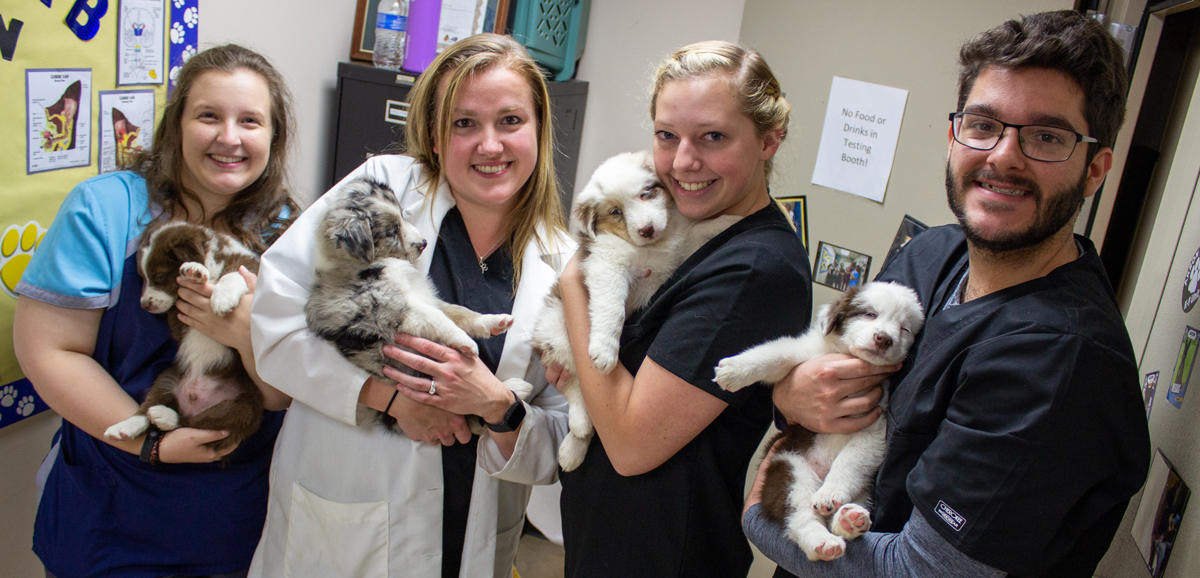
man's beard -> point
(1051, 214)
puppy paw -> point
(128, 429)
(194, 272)
(520, 387)
(571, 452)
(827, 500)
(604, 354)
(496, 324)
(227, 293)
(224, 301)
(850, 521)
(578, 420)
(734, 373)
(475, 424)
(163, 417)
(825, 548)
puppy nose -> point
(421, 246)
(145, 304)
(882, 341)
(647, 231)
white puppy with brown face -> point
(632, 239)
(817, 475)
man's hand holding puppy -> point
(833, 393)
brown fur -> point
(778, 483)
(240, 416)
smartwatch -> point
(512, 418)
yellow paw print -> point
(16, 249)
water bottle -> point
(390, 26)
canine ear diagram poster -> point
(126, 126)
(59, 107)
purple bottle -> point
(424, 16)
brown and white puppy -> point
(206, 387)
(632, 239)
(815, 475)
(368, 288)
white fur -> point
(128, 429)
(838, 469)
(621, 275)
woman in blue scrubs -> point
(156, 505)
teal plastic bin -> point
(554, 32)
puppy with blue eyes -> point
(817, 476)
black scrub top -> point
(1017, 426)
(748, 285)
(455, 273)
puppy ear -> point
(583, 217)
(838, 311)
(350, 231)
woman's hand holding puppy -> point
(419, 422)
(230, 330)
(186, 446)
(833, 393)
(195, 311)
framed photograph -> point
(1160, 514)
(909, 228)
(362, 40)
(840, 268)
(797, 209)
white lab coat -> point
(350, 500)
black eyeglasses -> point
(1041, 143)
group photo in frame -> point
(840, 268)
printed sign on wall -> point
(858, 143)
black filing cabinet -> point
(372, 109)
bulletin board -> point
(60, 62)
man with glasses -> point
(1016, 433)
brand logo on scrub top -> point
(948, 515)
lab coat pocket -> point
(327, 538)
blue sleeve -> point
(80, 260)
(916, 552)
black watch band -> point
(153, 435)
(512, 418)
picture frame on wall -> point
(797, 209)
(840, 268)
(362, 40)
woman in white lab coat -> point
(350, 499)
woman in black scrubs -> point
(660, 491)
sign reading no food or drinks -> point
(858, 143)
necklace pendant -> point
(482, 266)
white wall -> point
(626, 40)
(304, 39)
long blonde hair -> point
(758, 94)
(538, 214)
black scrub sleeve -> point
(1041, 442)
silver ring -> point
(432, 387)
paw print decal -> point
(25, 407)
(16, 249)
(8, 396)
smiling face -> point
(707, 152)
(1004, 200)
(226, 135)
(492, 146)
